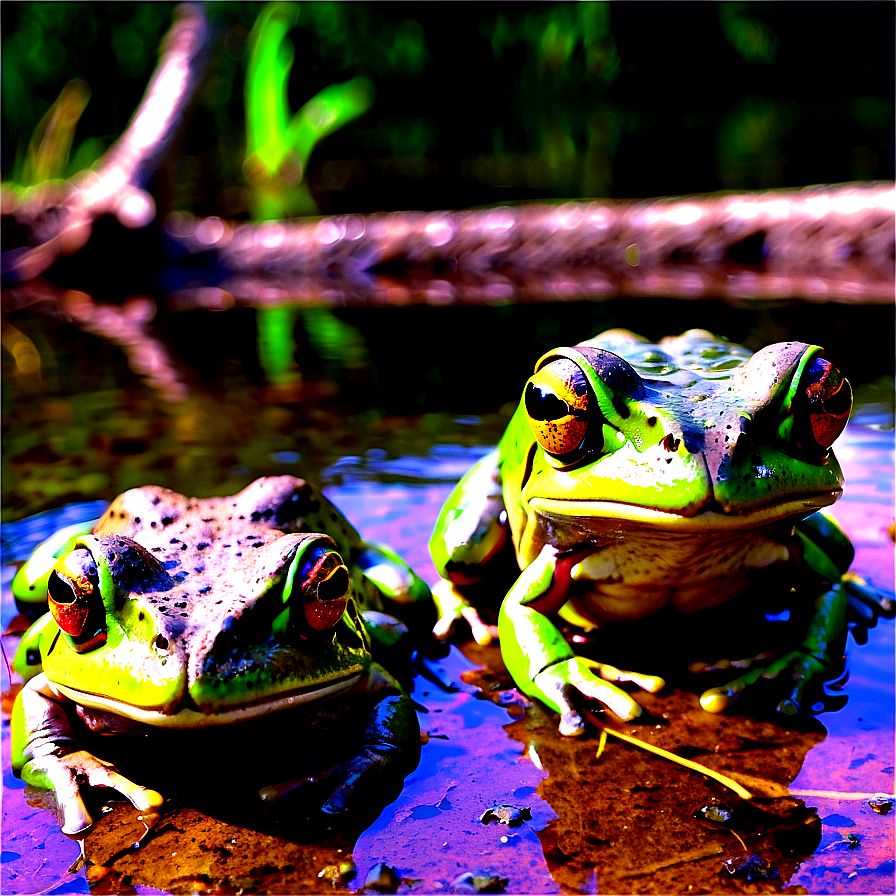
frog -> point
(638, 478)
(181, 614)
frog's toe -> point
(719, 699)
(445, 628)
(356, 779)
(454, 612)
(653, 684)
(867, 604)
(800, 667)
(351, 784)
(571, 724)
(564, 684)
(68, 773)
(451, 624)
(483, 633)
(76, 820)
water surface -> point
(350, 416)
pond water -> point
(385, 408)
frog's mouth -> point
(188, 715)
(711, 517)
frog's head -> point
(694, 432)
(137, 635)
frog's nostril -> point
(670, 442)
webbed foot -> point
(389, 750)
(563, 684)
(69, 772)
(796, 670)
(454, 612)
(865, 605)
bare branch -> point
(817, 242)
(58, 218)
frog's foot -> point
(797, 666)
(866, 604)
(454, 609)
(69, 772)
(394, 579)
(561, 685)
(390, 749)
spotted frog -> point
(185, 613)
(636, 479)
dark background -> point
(480, 103)
(476, 104)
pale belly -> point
(639, 575)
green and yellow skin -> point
(635, 476)
(184, 613)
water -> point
(92, 424)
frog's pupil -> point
(335, 586)
(543, 404)
(60, 591)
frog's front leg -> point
(398, 589)
(469, 535)
(44, 754)
(540, 659)
(820, 648)
(388, 749)
(800, 667)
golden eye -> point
(556, 401)
(73, 595)
(821, 407)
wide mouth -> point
(189, 717)
(711, 518)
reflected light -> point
(327, 232)
(684, 214)
(271, 235)
(439, 232)
(136, 210)
(23, 351)
(499, 219)
(209, 231)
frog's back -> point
(151, 514)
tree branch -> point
(57, 219)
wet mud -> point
(624, 821)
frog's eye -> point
(556, 401)
(73, 593)
(324, 583)
(821, 406)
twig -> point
(693, 855)
(59, 218)
(730, 783)
(816, 230)
(841, 795)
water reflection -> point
(383, 408)
(621, 822)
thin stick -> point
(730, 783)
(840, 795)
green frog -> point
(183, 613)
(638, 478)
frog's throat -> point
(705, 520)
(191, 718)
